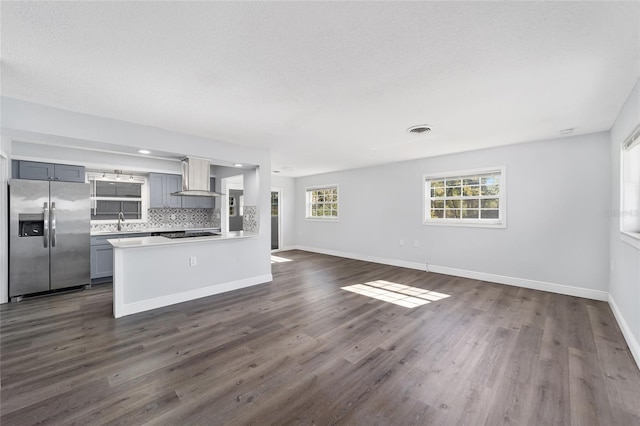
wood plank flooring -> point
(301, 350)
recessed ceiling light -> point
(566, 131)
(144, 151)
(237, 165)
(419, 129)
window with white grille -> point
(322, 202)
(112, 194)
(630, 199)
(470, 197)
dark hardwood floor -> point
(302, 350)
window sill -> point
(631, 238)
(465, 224)
(321, 219)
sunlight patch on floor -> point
(399, 294)
(278, 259)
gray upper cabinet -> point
(174, 184)
(160, 188)
(162, 185)
(156, 190)
(68, 173)
(48, 171)
(191, 202)
(33, 170)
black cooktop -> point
(183, 234)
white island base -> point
(153, 272)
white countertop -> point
(138, 242)
(150, 230)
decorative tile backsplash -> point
(168, 219)
(181, 218)
(250, 219)
(112, 227)
(216, 218)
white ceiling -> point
(331, 85)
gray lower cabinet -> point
(102, 254)
(101, 261)
(47, 171)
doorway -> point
(276, 219)
(232, 205)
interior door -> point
(70, 234)
(275, 219)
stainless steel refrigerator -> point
(49, 236)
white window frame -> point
(629, 208)
(144, 196)
(501, 222)
(308, 191)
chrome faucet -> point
(120, 220)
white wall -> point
(624, 286)
(557, 231)
(287, 209)
(29, 122)
(5, 168)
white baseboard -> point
(626, 331)
(567, 290)
(499, 279)
(159, 302)
(373, 259)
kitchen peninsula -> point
(154, 272)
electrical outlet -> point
(401, 242)
(416, 243)
(193, 261)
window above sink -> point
(112, 193)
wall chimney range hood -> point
(195, 179)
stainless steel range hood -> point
(195, 179)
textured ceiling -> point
(331, 85)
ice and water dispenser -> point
(30, 225)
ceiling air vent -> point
(419, 129)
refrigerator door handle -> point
(46, 224)
(94, 189)
(53, 224)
